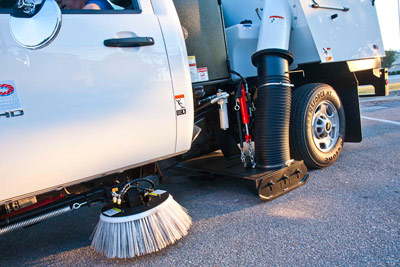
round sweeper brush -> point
(147, 222)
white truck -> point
(89, 96)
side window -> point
(97, 4)
(85, 6)
(7, 3)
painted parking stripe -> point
(381, 120)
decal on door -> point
(9, 101)
(180, 105)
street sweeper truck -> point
(95, 98)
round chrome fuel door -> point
(35, 23)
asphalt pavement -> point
(346, 215)
(394, 78)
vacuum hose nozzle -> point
(272, 116)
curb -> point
(393, 96)
(394, 93)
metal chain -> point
(243, 157)
(242, 154)
(251, 153)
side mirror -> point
(35, 23)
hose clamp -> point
(279, 84)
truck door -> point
(80, 108)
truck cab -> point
(82, 107)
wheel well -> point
(345, 84)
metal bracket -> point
(316, 5)
(297, 71)
(281, 181)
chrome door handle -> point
(129, 42)
(316, 5)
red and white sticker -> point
(180, 105)
(203, 74)
(8, 96)
(328, 54)
(6, 89)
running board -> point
(268, 184)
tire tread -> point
(300, 101)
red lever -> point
(243, 107)
(245, 114)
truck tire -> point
(317, 125)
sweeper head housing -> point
(140, 221)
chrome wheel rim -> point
(325, 126)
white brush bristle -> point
(143, 235)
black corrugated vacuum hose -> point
(273, 108)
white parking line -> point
(381, 120)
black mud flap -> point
(279, 182)
(268, 184)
